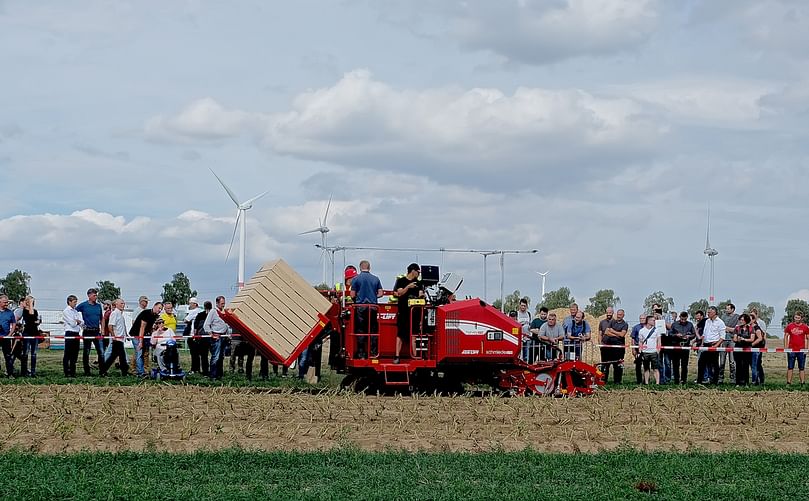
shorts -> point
(801, 360)
(649, 360)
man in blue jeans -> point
(216, 328)
(141, 332)
(8, 323)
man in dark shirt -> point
(614, 335)
(367, 289)
(682, 332)
(405, 289)
(635, 341)
(699, 316)
(544, 349)
(141, 332)
(92, 313)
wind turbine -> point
(322, 229)
(241, 217)
(543, 275)
(711, 253)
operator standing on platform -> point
(367, 290)
(406, 288)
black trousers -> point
(264, 367)
(638, 370)
(708, 359)
(249, 352)
(615, 358)
(679, 365)
(366, 323)
(91, 341)
(199, 347)
(71, 354)
(116, 351)
(7, 344)
(743, 362)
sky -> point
(595, 131)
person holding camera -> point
(683, 333)
(406, 288)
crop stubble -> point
(63, 418)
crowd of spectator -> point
(100, 329)
(660, 344)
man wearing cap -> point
(92, 314)
(188, 333)
(143, 302)
(140, 332)
(406, 288)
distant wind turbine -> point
(241, 221)
(323, 230)
(543, 275)
(711, 253)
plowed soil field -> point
(62, 418)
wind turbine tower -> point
(711, 253)
(323, 230)
(543, 275)
(240, 226)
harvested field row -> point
(61, 418)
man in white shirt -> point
(117, 328)
(712, 336)
(73, 325)
(648, 347)
(216, 328)
(524, 319)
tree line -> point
(17, 284)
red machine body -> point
(463, 342)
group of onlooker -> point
(101, 326)
(661, 343)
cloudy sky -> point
(597, 131)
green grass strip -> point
(350, 474)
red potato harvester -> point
(452, 343)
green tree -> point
(559, 298)
(601, 301)
(178, 291)
(322, 286)
(16, 285)
(699, 304)
(794, 305)
(658, 297)
(107, 291)
(765, 312)
(512, 301)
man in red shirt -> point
(795, 336)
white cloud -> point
(704, 101)
(544, 31)
(445, 133)
(802, 294)
(203, 119)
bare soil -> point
(65, 418)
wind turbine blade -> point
(708, 230)
(235, 229)
(326, 215)
(310, 231)
(230, 193)
(256, 197)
